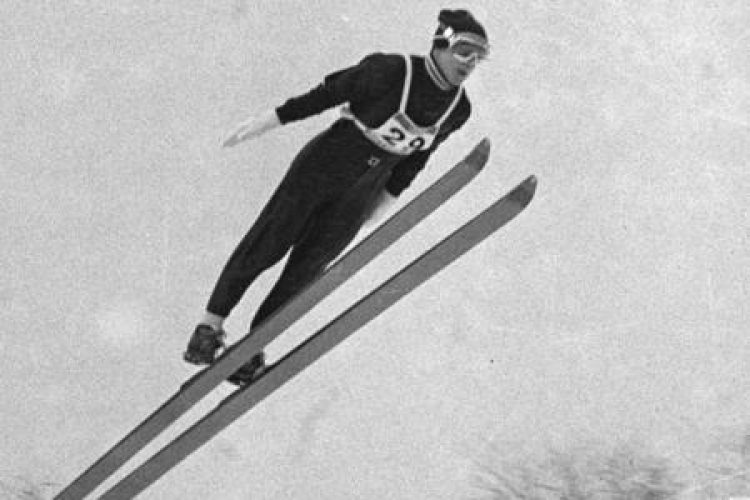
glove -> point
(253, 127)
(383, 205)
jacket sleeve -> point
(407, 169)
(367, 80)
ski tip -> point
(530, 185)
(479, 155)
(524, 192)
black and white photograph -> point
(318, 250)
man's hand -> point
(383, 205)
(252, 127)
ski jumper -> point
(394, 118)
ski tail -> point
(205, 381)
(418, 272)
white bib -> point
(399, 134)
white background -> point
(616, 307)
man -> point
(397, 110)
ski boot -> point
(204, 343)
(250, 371)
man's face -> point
(458, 61)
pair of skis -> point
(244, 398)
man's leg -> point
(330, 231)
(322, 242)
(279, 225)
(264, 245)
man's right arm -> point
(368, 80)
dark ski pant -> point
(316, 211)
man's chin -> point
(457, 79)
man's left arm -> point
(403, 174)
(407, 169)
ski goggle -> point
(465, 47)
(468, 53)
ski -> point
(402, 283)
(205, 381)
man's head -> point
(459, 43)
